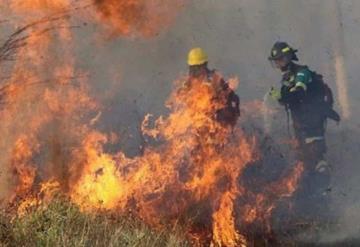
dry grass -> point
(62, 224)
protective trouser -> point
(312, 196)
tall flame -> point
(193, 172)
(199, 165)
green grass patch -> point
(62, 224)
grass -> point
(63, 224)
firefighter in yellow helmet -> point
(198, 70)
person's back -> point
(224, 96)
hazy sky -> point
(238, 35)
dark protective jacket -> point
(303, 94)
(231, 111)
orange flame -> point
(100, 185)
(137, 17)
(25, 172)
(200, 161)
(193, 173)
(39, 5)
(225, 232)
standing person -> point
(309, 100)
(199, 71)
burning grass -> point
(199, 168)
(194, 176)
(61, 223)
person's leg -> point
(318, 180)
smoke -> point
(139, 17)
(132, 77)
(238, 35)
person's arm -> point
(224, 85)
(297, 92)
(290, 97)
(302, 80)
(234, 103)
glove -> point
(275, 94)
(322, 166)
(293, 89)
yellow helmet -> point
(197, 56)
